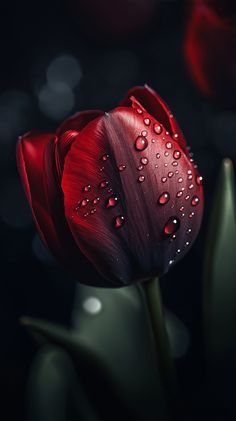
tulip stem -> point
(165, 363)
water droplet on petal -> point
(139, 111)
(153, 141)
(164, 198)
(189, 230)
(93, 211)
(166, 153)
(147, 121)
(144, 160)
(165, 165)
(83, 203)
(189, 171)
(101, 169)
(180, 179)
(110, 190)
(158, 155)
(164, 179)
(181, 208)
(191, 215)
(119, 221)
(177, 172)
(179, 194)
(190, 176)
(105, 157)
(86, 188)
(141, 178)
(187, 197)
(191, 186)
(157, 128)
(176, 154)
(103, 184)
(144, 133)
(111, 202)
(167, 133)
(141, 143)
(140, 167)
(195, 201)
(186, 244)
(96, 201)
(171, 262)
(174, 163)
(199, 180)
(121, 167)
(172, 225)
(156, 166)
(170, 174)
(168, 145)
(175, 136)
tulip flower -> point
(115, 196)
(210, 46)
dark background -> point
(103, 64)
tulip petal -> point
(104, 152)
(78, 121)
(35, 158)
(155, 106)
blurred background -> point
(85, 54)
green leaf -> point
(220, 272)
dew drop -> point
(157, 128)
(119, 221)
(121, 167)
(170, 174)
(189, 231)
(176, 154)
(93, 211)
(140, 167)
(101, 169)
(180, 179)
(164, 198)
(178, 251)
(158, 155)
(165, 165)
(182, 215)
(164, 179)
(110, 190)
(195, 201)
(167, 133)
(166, 153)
(103, 184)
(96, 201)
(153, 141)
(83, 203)
(147, 121)
(105, 157)
(86, 188)
(186, 244)
(141, 178)
(191, 215)
(190, 176)
(175, 136)
(171, 262)
(199, 180)
(139, 111)
(177, 172)
(144, 133)
(171, 226)
(144, 160)
(156, 166)
(86, 214)
(168, 145)
(189, 171)
(141, 143)
(111, 202)
(187, 197)
(181, 209)
(190, 186)
(174, 163)
(179, 194)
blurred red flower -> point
(115, 196)
(210, 48)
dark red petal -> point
(155, 106)
(62, 146)
(35, 157)
(105, 152)
(210, 46)
(78, 121)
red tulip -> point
(115, 196)
(210, 48)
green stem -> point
(165, 363)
